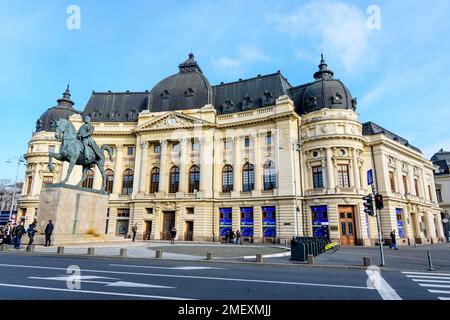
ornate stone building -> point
(244, 155)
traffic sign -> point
(370, 177)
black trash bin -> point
(298, 250)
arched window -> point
(270, 176)
(127, 182)
(154, 180)
(109, 180)
(194, 179)
(248, 177)
(227, 178)
(174, 181)
(89, 182)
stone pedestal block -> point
(78, 214)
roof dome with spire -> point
(63, 110)
(324, 92)
(187, 89)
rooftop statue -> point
(78, 149)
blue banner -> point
(269, 222)
(225, 221)
(320, 221)
(247, 222)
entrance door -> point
(148, 230)
(168, 223)
(189, 231)
(347, 226)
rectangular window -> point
(439, 195)
(247, 142)
(190, 210)
(195, 146)
(149, 210)
(392, 181)
(51, 148)
(157, 148)
(130, 151)
(29, 184)
(405, 184)
(227, 144)
(416, 186)
(430, 193)
(343, 176)
(399, 214)
(269, 139)
(176, 147)
(47, 180)
(317, 177)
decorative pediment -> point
(171, 121)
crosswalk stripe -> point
(434, 285)
(427, 273)
(427, 277)
(426, 280)
(444, 298)
(440, 291)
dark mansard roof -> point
(370, 128)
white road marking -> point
(108, 284)
(165, 268)
(427, 277)
(428, 273)
(92, 292)
(444, 298)
(434, 285)
(426, 280)
(194, 277)
(440, 291)
(384, 289)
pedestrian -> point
(134, 230)
(31, 231)
(238, 237)
(48, 233)
(18, 233)
(8, 233)
(233, 237)
(173, 233)
(227, 236)
(393, 244)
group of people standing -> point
(12, 233)
(233, 237)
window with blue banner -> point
(320, 222)
(247, 222)
(225, 221)
(399, 214)
(269, 222)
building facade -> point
(441, 161)
(244, 155)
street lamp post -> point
(296, 145)
(19, 161)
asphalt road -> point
(46, 277)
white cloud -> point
(339, 29)
(235, 66)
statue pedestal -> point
(78, 214)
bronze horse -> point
(72, 151)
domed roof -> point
(326, 92)
(63, 110)
(188, 89)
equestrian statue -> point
(78, 149)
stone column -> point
(137, 166)
(257, 224)
(184, 165)
(36, 182)
(356, 170)
(331, 185)
(117, 186)
(144, 160)
(206, 159)
(258, 164)
(163, 167)
(400, 187)
(237, 167)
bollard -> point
(30, 248)
(209, 255)
(60, 250)
(310, 259)
(367, 261)
(259, 257)
(3, 247)
(90, 251)
(430, 263)
(123, 252)
(158, 254)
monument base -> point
(78, 214)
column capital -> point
(184, 141)
(119, 146)
(145, 144)
(163, 143)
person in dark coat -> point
(227, 236)
(393, 241)
(232, 237)
(238, 237)
(31, 231)
(173, 234)
(48, 233)
(134, 230)
(18, 233)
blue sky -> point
(399, 73)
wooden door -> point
(168, 223)
(347, 225)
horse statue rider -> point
(78, 148)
